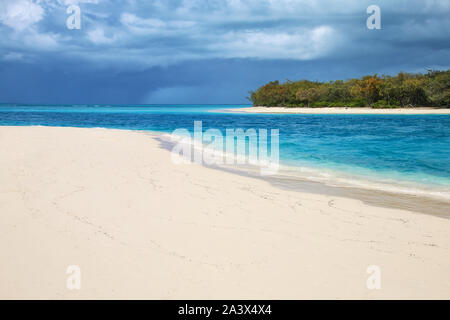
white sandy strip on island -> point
(280, 110)
(139, 226)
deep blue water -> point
(402, 148)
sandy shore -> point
(278, 110)
(139, 226)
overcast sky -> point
(207, 51)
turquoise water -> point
(409, 153)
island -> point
(404, 93)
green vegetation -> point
(403, 90)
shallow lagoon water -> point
(400, 153)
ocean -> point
(397, 153)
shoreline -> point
(375, 196)
(334, 110)
(429, 204)
(141, 227)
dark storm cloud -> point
(202, 51)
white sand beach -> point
(141, 227)
(276, 110)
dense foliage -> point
(403, 90)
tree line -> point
(403, 90)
